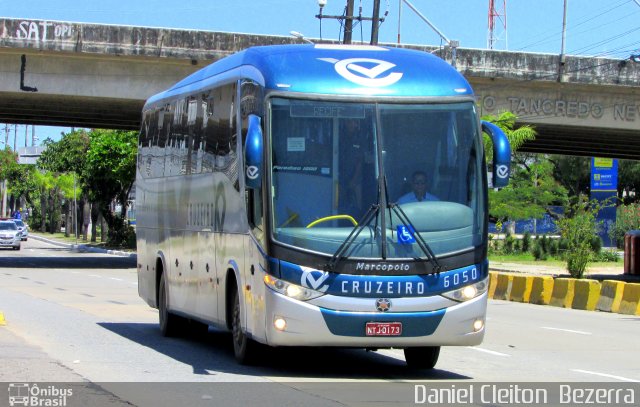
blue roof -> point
(335, 70)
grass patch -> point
(60, 237)
(527, 258)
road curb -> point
(84, 248)
(591, 295)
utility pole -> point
(564, 35)
(3, 190)
(375, 23)
(348, 18)
(348, 24)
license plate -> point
(384, 328)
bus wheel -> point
(244, 348)
(170, 324)
(424, 357)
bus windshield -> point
(327, 160)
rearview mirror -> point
(253, 153)
(501, 154)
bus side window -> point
(254, 209)
(250, 93)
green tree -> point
(573, 173)
(21, 179)
(629, 181)
(577, 228)
(532, 187)
(8, 162)
(67, 158)
(67, 155)
(517, 136)
(109, 174)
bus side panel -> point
(255, 298)
(148, 237)
(230, 229)
(201, 214)
(171, 219)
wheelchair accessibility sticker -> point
(406, 234)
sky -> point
(609, 28)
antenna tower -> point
(497, 23)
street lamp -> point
(300, 36)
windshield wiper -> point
(364, 222)
(424, 246)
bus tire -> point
(170, 324)
(244, 348)
(423, 357)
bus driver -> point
(418, 191)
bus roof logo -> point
(366, 71)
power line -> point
(554, 36)
(606, 40)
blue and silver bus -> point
(281, 196)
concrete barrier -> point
(493, 281)
(610, 296)
(503, 286)
(563, 291)
(541, 290)
(2, 320)
(586, 295)
(521, 288)
(630, 302)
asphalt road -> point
(75, 317)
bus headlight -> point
(468, 292)
(291, 290)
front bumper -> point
(10, 243)
(313, 325)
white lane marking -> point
(624, 379)
(95, 275)
(116, 279)
(566, 330)
(490, 352)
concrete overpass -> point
(73, 74)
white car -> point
(24, 228)
(10, 235)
